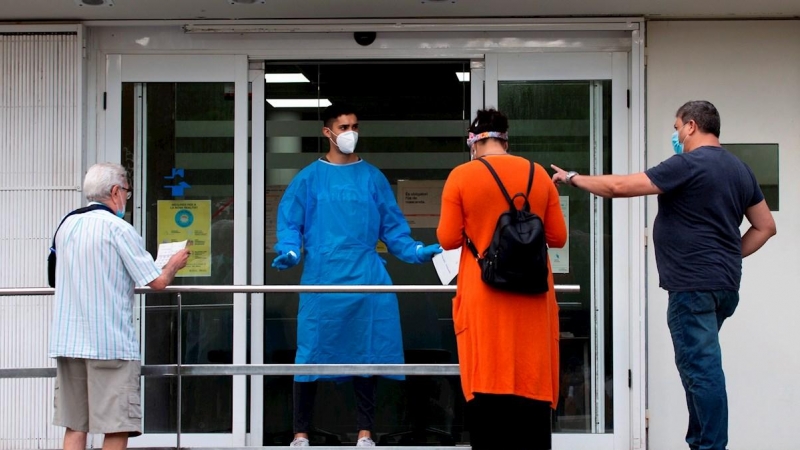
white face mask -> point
(346, 141)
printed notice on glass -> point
(190, 221)
(559, 257)
(420, 201)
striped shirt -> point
(101, 258)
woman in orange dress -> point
(507, 342)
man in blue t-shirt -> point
(703, 194)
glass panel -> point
(763, 160)
(553, 123)
(185, 134)
(413, 118)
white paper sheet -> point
(166, 250)
(446, 264)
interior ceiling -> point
(69, 10)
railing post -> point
(179, 358)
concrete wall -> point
(751, 71)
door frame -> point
(124, 68)
(119, 57)
(627, 222)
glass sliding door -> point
(178, 140)
(565, 123)
(187, 173)
(561, 112)
(413, 119)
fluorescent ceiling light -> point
(462, 76)
(299, 102)
(286, 78)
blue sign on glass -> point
(177, 188)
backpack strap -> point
(526, 206)
(85, 209)
(509, 199)
(471, 246)
(530, 186)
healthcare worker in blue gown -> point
(331, 218)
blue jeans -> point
(694, 320)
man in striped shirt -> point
(101, 258)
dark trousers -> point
(508, 422)
(366, 393)
(694, 320)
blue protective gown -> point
(336, 214)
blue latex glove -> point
(425, 254)
(285, 261)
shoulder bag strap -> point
(85, 209)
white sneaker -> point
(299, 442)
(365, 442)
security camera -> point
(364, 37)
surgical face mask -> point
(121, 212)
(346, 141)
(677, 145)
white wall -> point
(751, 71)
(40, 179)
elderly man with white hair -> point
(101, 258)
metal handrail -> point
(561, 288)
(178, 369)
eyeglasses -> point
(128, 192)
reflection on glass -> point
(555, 123)
(413, 118)
(186, 126)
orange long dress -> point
(507, 342)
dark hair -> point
(489, 120)
(704, 114)
(334, 111)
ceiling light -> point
(94, 2)
(299, 102)
(462, 76)
(246, 2)
(285, 78)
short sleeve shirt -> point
(101, 258)
(696, 235)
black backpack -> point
(516, 259)
(51, 258)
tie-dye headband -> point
(473, 138)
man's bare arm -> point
(609, 186)
(762, 227)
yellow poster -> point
(188, 220)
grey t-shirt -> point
(696, 234)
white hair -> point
(100, 178)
